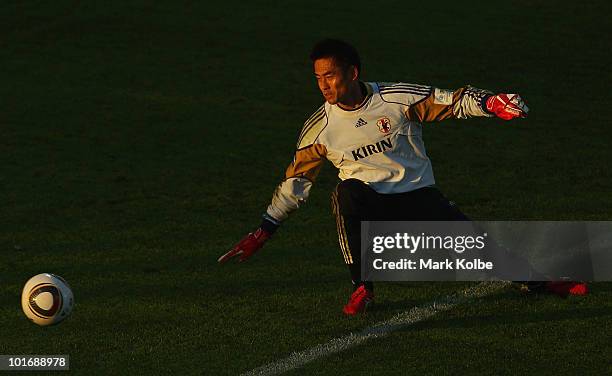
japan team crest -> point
(384, 125)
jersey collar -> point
(365, 86)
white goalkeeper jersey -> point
(380, 143)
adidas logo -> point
(360, 123)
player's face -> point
(334, 81)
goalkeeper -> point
(372, 133)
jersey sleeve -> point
(426, 103)
(443, 104)
(303, 170)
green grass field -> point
(139, 142)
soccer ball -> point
(46, 299)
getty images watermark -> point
(494, 250)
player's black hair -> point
(342, 52)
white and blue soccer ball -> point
(47, 299)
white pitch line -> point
(399, 321)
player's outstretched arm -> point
(291, 192)
(252, 242)
(463, 103)
(287, 197)
(507, 106)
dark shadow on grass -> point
(520, 319)
(395, 306)
(523, 317)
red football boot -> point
(359, 301)
(565, 288)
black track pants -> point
(353, 201)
